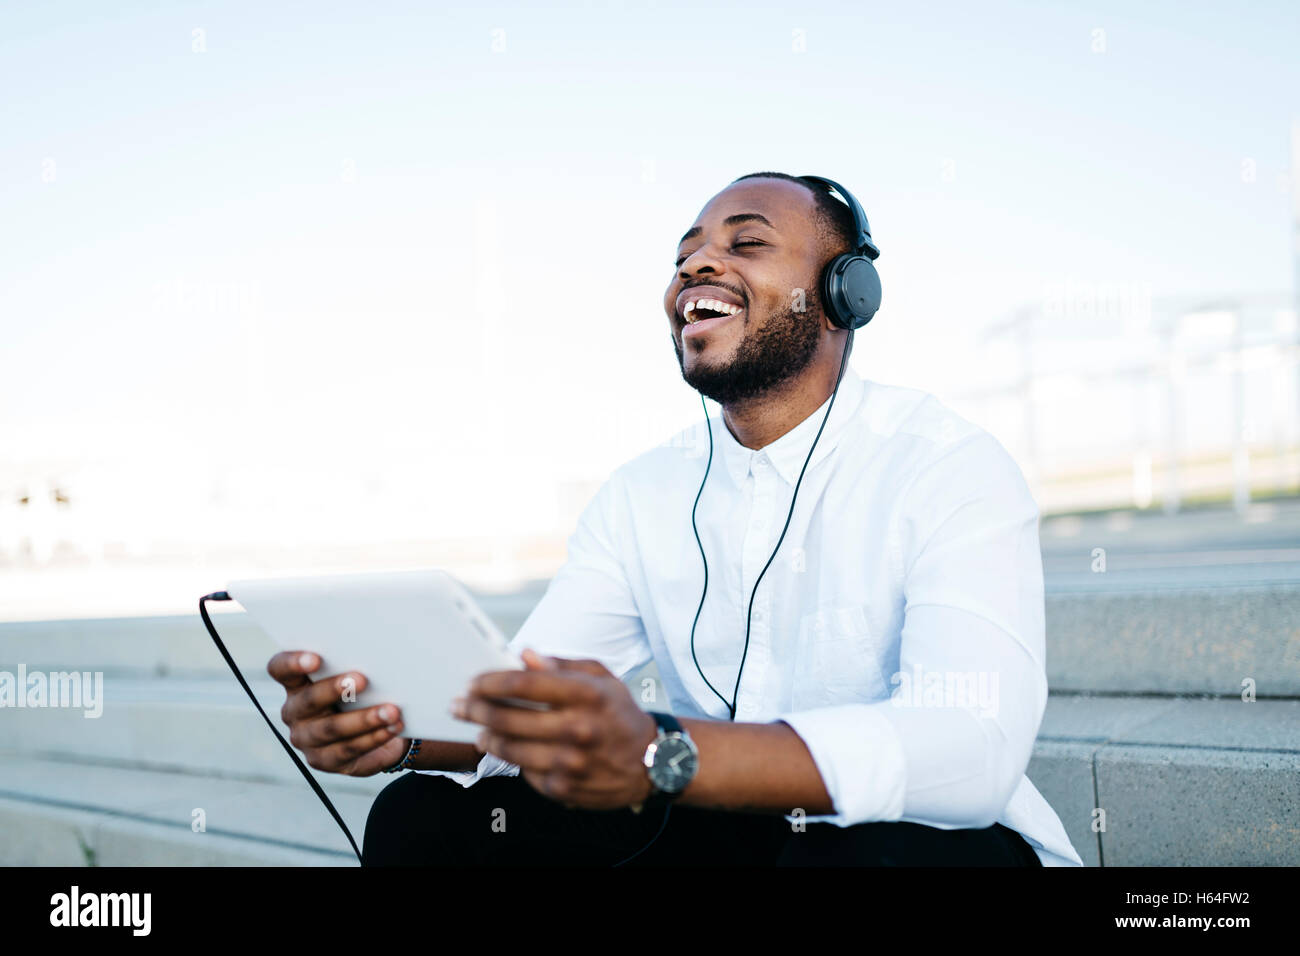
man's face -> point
(754, 247)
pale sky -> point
(333, 264)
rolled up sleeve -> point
(952, 742)
(860, 758)
(489, 766)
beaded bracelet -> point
(406, 761)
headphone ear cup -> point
(851, 291)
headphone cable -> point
(843, 358)
(207, 621)
(731, 706)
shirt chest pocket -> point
(836, 658)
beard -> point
(765, 359)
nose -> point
(700, 262)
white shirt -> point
(899, 631)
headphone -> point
(850, 286)
(850, 295)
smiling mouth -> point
(696, 327)
(702, 310)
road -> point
(1212, 547)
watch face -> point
(675, 763)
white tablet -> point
(417, 636)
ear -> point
(826, 316)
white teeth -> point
(715, 305)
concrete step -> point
(52, 836)
(195, 726)
(1182, 781)
(61, 813)
(136, 646)
(1201, 641)
(1205, 641)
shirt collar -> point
(787, 453)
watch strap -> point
(668, 724)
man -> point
(910, 550)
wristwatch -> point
(671, 760)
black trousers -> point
(425, 820)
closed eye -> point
(747, 242)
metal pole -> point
(1240, 449)
(1173, 423)
(1295, 253)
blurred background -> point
(292, 286)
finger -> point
(584, 666)
(550, 784)
(528, 754)
(321, 696)
(291, 668)
(565, 725)
(327, 730)
(381, 758)
(347, 752)
(534, 661)
(548, 687)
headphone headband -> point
(863, 244)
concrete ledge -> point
(138, 646)
(37, 835)
(1062, 772)
(74, 814)
(1176, 642)
(207, 727)
(134, 843)
(1182, 781)
(1168, 806)
(53, 836)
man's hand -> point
(357, 742)
(585, 751)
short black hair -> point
(835, 225)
